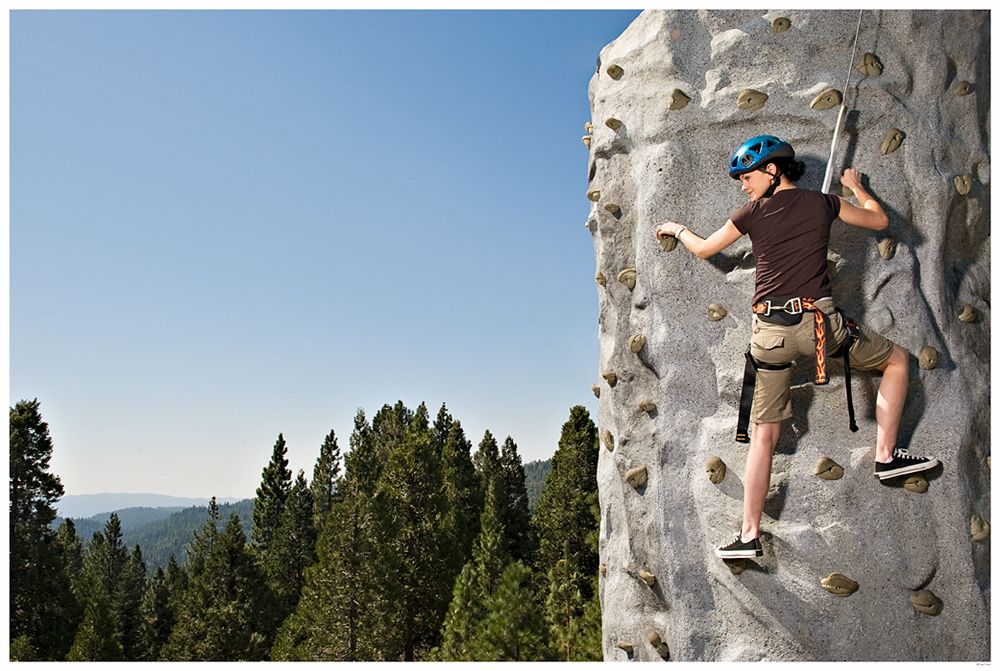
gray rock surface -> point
(666, 160)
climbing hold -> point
(611, 378)
(928, 358)
(751, 100)
(613, 209)
(594, 195)
(609, 440)
(678, 100)
(647, 406)
(636, 343)
(615, 72)
(604, 569)
(926, 602)
(781, 24)
(668, 243)
(887, 248)
(838, 584)
(963, 184)
(596, 389)
(828, 99)
(661, 648)
(627, 647)
(979, 528)
(870, 65)
(828, 469)
(716, 469)
(916, 483)
(892, 140)
(736, 566)
(716, 312)
(586, 140)
(627, 277)
(967, 315)
(963, 88)
(613, 123)
(636, 476)
(589, 127)
(647, 578)
(601, 279)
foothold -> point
(594, 195)
(610, 377)
(636, 343)
(870, 65)
(596, 389)
(781, 24)
(601, 279)
(647, 406)
(636, 476)
(627, 277)
(751, 100)
(928, 358)
(716, 312)
(828, 469)
(613, 209)
(838, 584)
(826, 100)
(963, 184)
(604, 569)
(967, 315)
(979, 528)
(613, 123)
(963, 88)
(668, 243)
(887, 248)
(627, 647)
(736, 566)
(916, 484)
(892, 140)
(926, 602)
(586, 140)
(678, 100)
(647, 578)
(661, 648)
(589, 127)
(615, 72)
(609, 440)
(716, 469)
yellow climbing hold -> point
(926, 602)
(586, 140)
(627, 277)
(839, 584)
(870, 65)
(661, 648)
(928, 358)
(963, 184)
(594, 195)
(610, 377)
(636, 476)
(916, 484)
(751, 100)
(601, 279)
(893, 139)
(613, 123)
(647, 406)
(967, 315)
(615, 72)
(828, 99)
(979, 528)
(613, 209)
(609, 440)
(716, 469)
(716, 312)
(678, 100)
(589, 127)
(781, 24)
(887, 248)
(596, 389)
(636, 343)
(627, 647)
(668, 243)
(647, 578)
(963, 88)
(828, 469)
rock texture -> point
(670, 100)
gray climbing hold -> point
(586, 140)
(928, 358)
(647, 406)
(979, 528)
(967, 315)
(893, 139)
(926, 602)
(627, 277)
(596, 389)
(887, 248)
(750, 100)
(781, 24)
(615, 72)
(838, 584)
(963, 88)
(613, 123)
(594, 195)
(828, 469)
(613, 209)
(716, 469)
(828, 99)
(716, 312)
(661, 648)
(601, 279)
(610, 377)
(636, 476)
(609, 440)
(870, 65)
(627, 647)
(636, 343)
(678, 100)
(668, 243)
(963, 184)
(916, 484)
(647, 578)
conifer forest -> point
(408, 546)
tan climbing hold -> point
(668, 243)
(627, 647)
(636, 476)
(609, 440)
(615, 72)
(838, 584)
(967, 315)
(928, 358)
(594, 195)
(647, 578)
(828, 99)
(647, 406)
(586, 140)
(627, 277)
(678, 100)
(736, 566)
(870, 65)
(716, 469)
(893, 139)
(596, 389)
(610, 377)
(887, 248)
(963, 184)
(963, 88)
(589, 127)
(828, 469)
(926, 602)
(661, 648)
(601, 279)
(636, 343)
(613, 209)
(613, 123)
(716, 312)
(604, 569)
(916, 484)
(979, 528)
(751, 100)
(781, 24)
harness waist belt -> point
(795, 306)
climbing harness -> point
(796, 306)
(828, 178)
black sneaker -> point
(903, 464)
(740, 549)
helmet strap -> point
(775, 180)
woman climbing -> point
(789, 231)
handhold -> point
(979, 528)
(609, 440)
(586, 140)
(668, 243)
(661, 648)
(928, 358)
(589, 127)
(828, 99)
(870, 65)
(838, 584)
(828, 469)
(596, 389)
(636, 476)
(781, 24)
(887, 248)
(636, 343)
(647, 578)
(716, 469)
(963, 88)
(647, 406)
(613, 123)
(627, 277)
(736, 566)
(611, 378)
(963, 184)
(613, 209)
(967, 315)
(751, 100)
(678, 100)
(926, 602)
(916, 483)
(716, 312)
(601, 279)
(594, 195)
(892, 140)
(627, 647)
(604, 569)
(615, 72)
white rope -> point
(828, 178)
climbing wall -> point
(854, 568)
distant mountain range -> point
(78, 506)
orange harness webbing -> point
(799, 305)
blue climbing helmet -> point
(757, 151)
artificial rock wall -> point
(854, 569)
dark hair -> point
(790, 168)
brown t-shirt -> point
(789, 233)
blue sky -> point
(230, 224)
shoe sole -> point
(739, 554)
(906, 470)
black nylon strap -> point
(746, 395)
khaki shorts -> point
(776, 344)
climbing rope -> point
(828, 178)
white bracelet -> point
(678, 233)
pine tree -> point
(269, 505)
(564, 608)
(293, 548)
(326, 474)
(156, 617)
(465, 613)
(487, 461)
(98, 637)
(461, 489)
(513, 628)
(515, 516)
